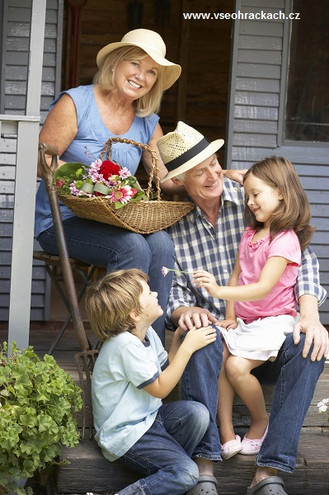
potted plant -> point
(38, 401)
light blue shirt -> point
(123, 411)
(89, 142)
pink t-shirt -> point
(253, 256)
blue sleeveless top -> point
(92, 134)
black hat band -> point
(185, 157)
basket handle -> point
(154, 175)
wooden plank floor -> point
(88, 471)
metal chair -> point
(68, 265)
(84, 271)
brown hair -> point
(294, 211)
(148, 103)
(110, 300)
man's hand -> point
(195, 317)
(310, 324)
(315, 334)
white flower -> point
(323, 405)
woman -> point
(122, 101)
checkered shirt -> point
(199, 246)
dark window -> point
(307, 104)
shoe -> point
(231, 448)
(251, 446)
(206, 484)
(273, 485)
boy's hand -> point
(206, 280)
(196, 338)
(229, 324)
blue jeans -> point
(200, 383)
(296, 378)
(163, 454)
(116, 249)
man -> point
(208, 238)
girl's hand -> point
(229, 324)
(208, 281)
(199, 337)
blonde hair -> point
(294, 211)
(110, 300)
(148, 103)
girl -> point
(265, 272)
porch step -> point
(89, 471)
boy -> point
(130, 378)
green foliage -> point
(38, 400)
(67, 173)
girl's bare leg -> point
(225, 402)
(246, 385)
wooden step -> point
(89, 471)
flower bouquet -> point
(108, 193)
(102, 178)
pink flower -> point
(123, 194)
(164, 271)
(124, 173)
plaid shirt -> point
(199, 246)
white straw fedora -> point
(184, 148)
(152, 44)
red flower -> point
(60, 182)
(109, 168)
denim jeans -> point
(296, 378)
(163, 453)
(116, 248)
(200, 383)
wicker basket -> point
(143, 217)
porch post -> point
(25, 187)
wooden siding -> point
(258, 72)
(15, 52)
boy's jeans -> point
(163, 453)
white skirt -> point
(261, 339)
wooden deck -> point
(89, 471)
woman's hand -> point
(236, 175)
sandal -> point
(207, 484)
(273, 485)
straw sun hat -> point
(152, 44)
(184, 148)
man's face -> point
(204, 182)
